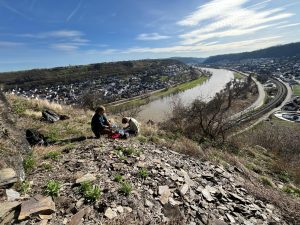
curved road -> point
(283, 96)
(259, 101)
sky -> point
(48, 33)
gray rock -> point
(6, 208)
(7, 176)
(37, 204)
(110, 214)
(12, 195)
(206, 195)
(86, 178)
(164, 193)
(184, 189)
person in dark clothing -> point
(100, 124)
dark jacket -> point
(99, 122)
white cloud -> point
(64, 47)
(211, 10)
(151, 37)
(210, 47)
(289, 25)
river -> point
(159, 109)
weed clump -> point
(53, 187)
(126, 188)
(90, 192)
(29, 163)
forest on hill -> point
(288, 50)
(68, 74)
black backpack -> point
(35, 138)
(50, 116)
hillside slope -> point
(140, 180)
(65, 75)
(287, 50)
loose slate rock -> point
(6, 208)
(76, 219)
(184, 189)
(12, 195)
(110, 214)
(165, 193)
(207, 195)
(86, 178)
(37, 204)
(7, 176)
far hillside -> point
(287, 50)
(189, 60)
(65, 75)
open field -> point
(296, 90)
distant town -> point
(110, 88)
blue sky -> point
(46, 33)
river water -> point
(159, 109)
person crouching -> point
(133, 125)
(100, 124)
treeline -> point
(287, 50)
(71, 74)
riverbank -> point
(146, 98)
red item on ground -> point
(115, 136)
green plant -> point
(284, 177)
(142, 139)
(29, 163)
(266, 181)
(143, 173)
(118, 178)
(90, 192)
(126, 188)
(292, 190)
(47, 166)
(128, 151)
(52, 188)
(19, 107)
(25, 186)
(53, 155)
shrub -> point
(284, 176)
(29, 163)
(142, 139)
(128, 151)
(19, 107)
(292, 190)
(126, 188)
(118, 178)
(90, 192)
(53, 155)
(53, 188)
(143, 173)
(266, 181)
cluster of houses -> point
(111, 88)
(285, 68)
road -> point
(259, 101)
(264, 112)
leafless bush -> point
(91, 100)
(201, 119)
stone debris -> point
(37, 204)
(86, 178)
(7, 176)
(110, 214)
(164, 193)
(12, 195)
(177, 188)
(6, 208)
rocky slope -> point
(12, 141)
(171, 189)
